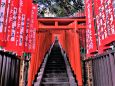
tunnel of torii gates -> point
(66, 30)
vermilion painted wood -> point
(59, 23)
(61, 19)
(65, 29)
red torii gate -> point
(60, 23)
(66, 29)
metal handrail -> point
(68, 68)
(40, 74)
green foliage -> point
(61, 8)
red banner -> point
(21, 44)
(19, 24)
(11, 46)
(30, 33)
(110, 21)
(105, 24)
(6, 21)
(90, 30)
(101, 26)
(3, 12)
(9, 27)
(29, 10)
(33, 27)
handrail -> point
(69, 71)
(40, 74)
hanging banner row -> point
(100, 21)
(18, 24)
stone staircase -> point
(55, 71)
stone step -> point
(55, 68)
(55, 75)
(55, 84)
(55, 71)
(55, 79)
